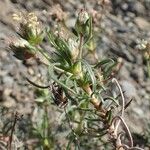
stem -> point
(80, 46)
(96, 103)
(95, 55)
(122, 96)
(123, 104)
(12, 131)
(73, 131)
(148, 68)
(44, 54)
(63, 71)
(82, 116)
(93, 100)
(126, 128)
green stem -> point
(63, 71)
(44, 54)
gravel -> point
(124, 23)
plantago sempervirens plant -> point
(78, 87)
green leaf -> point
(90, 30)
(51, 37)
(53, 77)
(69, 109)
(109, 64)
(108, 69)
(109, 116)
(90, 73)
(69, 144)
(64, 50)
(105, 61)
(112, 99)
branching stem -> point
(126, 128)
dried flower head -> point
(83, 16)
(83, 24)
(142, 44)
(72, 41)
(21, 49)
(145, 47)
(74, 47)
(30, 28)
(30, 19)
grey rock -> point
(137, 74)
(8, 81)
(138, 111)
(9, 103)
(129, 88)
(139, 8)
(71, 22)
(142, 23)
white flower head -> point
(83, 16)
(73, 45)
(142, 45)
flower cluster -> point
(21, 49)
(30, 28)
(31, 35)
(145, 47)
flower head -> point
(30, 28)
(142, 44)
(145, 46)
(21, 49)
(74, 47)
(83, 16)
(83, 24)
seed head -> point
(30, 28)
(21, 49)
(145, 47)
(83, 16)
(73, 45)
(142, 44)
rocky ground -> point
(123, 24)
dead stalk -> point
(123, 103)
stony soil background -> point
(122, 25)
